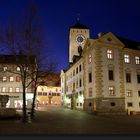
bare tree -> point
(24, 40)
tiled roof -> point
(14, 59)
(78, 25)
(130, 43)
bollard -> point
(29, 117)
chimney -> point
(100, 34)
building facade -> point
(110, 75)
(49, 91)
(10, 81)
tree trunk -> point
(33, 104)
(24, 106)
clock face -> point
(80, 39)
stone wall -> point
(105, 106)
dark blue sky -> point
(122, 17)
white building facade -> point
(110, 75)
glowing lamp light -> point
(81, 98)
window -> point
(90, 92)
(80, 68)
(10, 89)
(76, 70)
(112, 104)
(3, 89)
(138, 78)
(128, 77)
(80, 83)
(126, 58)
(58, 94)
(11, 79)
(77, 104)
(39, 93)
(129, 104)
(4, 68)
(139, 93)
(17, 89)
(90, 77)
(137, 60)
(73, 86)
(129, 93)
(73, 72)
(110, 75)
(139, 103)
(89, 58)
(4, 79)
(109, 54)
(90, 104)
(18, 68)
(77, 84)
(17, 79)
(80, 104)
(111, 91)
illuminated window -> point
(4, 79)
(109, 54)
(17, 89)
(90, 92)
(10, 89)
(126, 58)
(11, 79)
(3, 89)
(128, 77)
(110, 75)
(129, 93)
(111, 91)
(137, 60)
(4, 68)
(18, 68)
(89, 58)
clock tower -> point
(77, 36)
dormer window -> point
(18, 68)
(137, 60)
(4, 68)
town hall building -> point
(104, 73)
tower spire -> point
(78, 17)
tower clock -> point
(77, 37)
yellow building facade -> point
(48, 95)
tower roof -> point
(78, 25)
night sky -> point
(122, 17)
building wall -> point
(15, 97)
(49, 95)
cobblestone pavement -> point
(52, 120)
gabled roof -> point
(130, 43)
(20, 59)
(78, 25)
